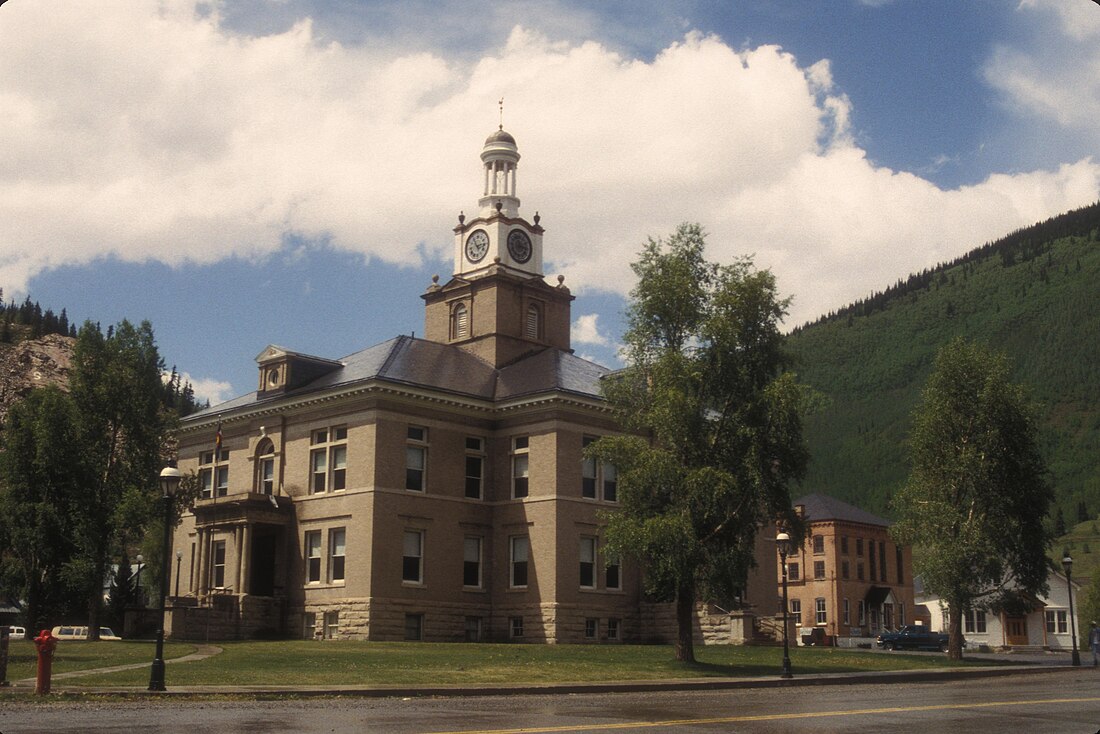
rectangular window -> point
(588, 563)
(520, 467)
(844, 544)
(819, 544)
(336, 539)
(475, 469)
(414, 627)
(888, 616)
(313, 556)
(847, 613)
(412, 560)
(309, 625)
(859, 547)
(862, 608)
(588, 472)
(591, 628)
(844, 569)
(471, 562)
(900, 559)
(218, 566)
(473, 629)
(610, 483)
(796, 611)
(871, 559)
(416, 458)
(267, 475)
(328, 459)
(819, 570)
(974, 622)
(859, 571)
(332, 624)
(882, 561)
(613, 574)
(612, 629)
(819, 611)
(515, 626)
(319, 470)
(519, 548)
(793, 571)
(1049, 620)
(1063, 622)
(214, 475)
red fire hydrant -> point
(46, 643)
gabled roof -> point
(405, 360)
(821, 507)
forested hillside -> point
(1033, 295)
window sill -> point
(414, 584)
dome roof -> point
(500, 137)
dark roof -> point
(405, 360)
(820, 507)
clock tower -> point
(498, 234)
(497, 304)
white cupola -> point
(498, 236)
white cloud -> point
(586, 330)
(216, 391)
(151, 132)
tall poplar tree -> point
(117, 392)
(714, 422)
(977, 493)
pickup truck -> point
(912, 637)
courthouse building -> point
(425, 488)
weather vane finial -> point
(501, 113)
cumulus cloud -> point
(216, 391)
(151, 132)
(586, 330)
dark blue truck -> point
(912, 637)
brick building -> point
(426, 488)
(849, 579)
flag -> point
(218, 443)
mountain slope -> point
(1033, 295)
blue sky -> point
(249, 172)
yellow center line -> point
(771, 717)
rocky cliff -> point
(33, 363)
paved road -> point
(1062, 701)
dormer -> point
(282, 370)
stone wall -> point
(711, 627)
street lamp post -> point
(783, 542)
(169, 482)
(140, 598)
(179, 557)
(1067, 566)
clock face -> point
(519, 245)
(477, 244)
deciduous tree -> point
(714, 423)
(977, 493)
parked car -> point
(16, 632)
(67, 632)
(912, 637)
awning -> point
(877, 595)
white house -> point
(1046, 626)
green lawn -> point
(72, 655)
(410, 663)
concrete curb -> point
(689, 684)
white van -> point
(17, 632)
(67, 632)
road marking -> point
(771, 717)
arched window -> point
(533, 324)
(460, 322)
(265, 467)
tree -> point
(714, 422)
(977, 492)
(116, 387)
(41, 482)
